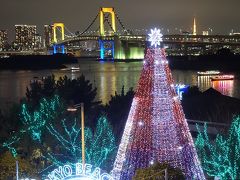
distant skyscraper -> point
(194, 27)
(205, 33)
(38, 41)
(3, 39)
(25, 37)
(48, 33)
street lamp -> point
(74, 109)
(16, 170)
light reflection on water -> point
(225, 87)
(108, 77)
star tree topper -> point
(155, 37)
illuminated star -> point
(155, 37)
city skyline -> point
(222, 17)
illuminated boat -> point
(208, 73)
(222, 77)
(73, 69)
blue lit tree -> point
(100, 145)
(221, 157)
(34, 122)
(47, 112)
(103, 150)
(59, 139)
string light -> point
(140, 123)
(34, 122)
(100, 145)
(165, 136)
(155, 37)
(221, 158)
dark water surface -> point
(108, 77)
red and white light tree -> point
(156, 129)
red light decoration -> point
(156, 128)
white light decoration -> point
(175, 98)
(151, 162)
(165, 136)
(140, 123)
(78, 173)
(180, 89)
(155, 37)
(180, 147)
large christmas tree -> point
(156, 128)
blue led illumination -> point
(54, 49)
(63, 49)
(105, 50)
(57, 47)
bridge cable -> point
(121, 23)
(72, 34)
(97, 30)
(107, 20)
(61, 32)
(88, 27)
(65, 35)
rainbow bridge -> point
(111, 43)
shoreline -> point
(203, 62)
(36, 62)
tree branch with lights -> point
(59, 139)
(100, 145)
(221, 157)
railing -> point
(167, 39)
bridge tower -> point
(102, 19)
(55, 40)
(106, 46)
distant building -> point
(200, 44)
(186, 33)
(38, 41)
(205, 33)
(236, 33)
(25, 37)
(3, 39)
(48, 33)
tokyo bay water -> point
(108, 77)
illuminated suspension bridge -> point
(111, 43)
(122, 43)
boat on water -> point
(208, 73)
(73, 69)
(222, 77)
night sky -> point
(220, 15)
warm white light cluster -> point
(155, 37)
(121, 155)
(156, 129)
(79, 171)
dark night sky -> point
(221, 15)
